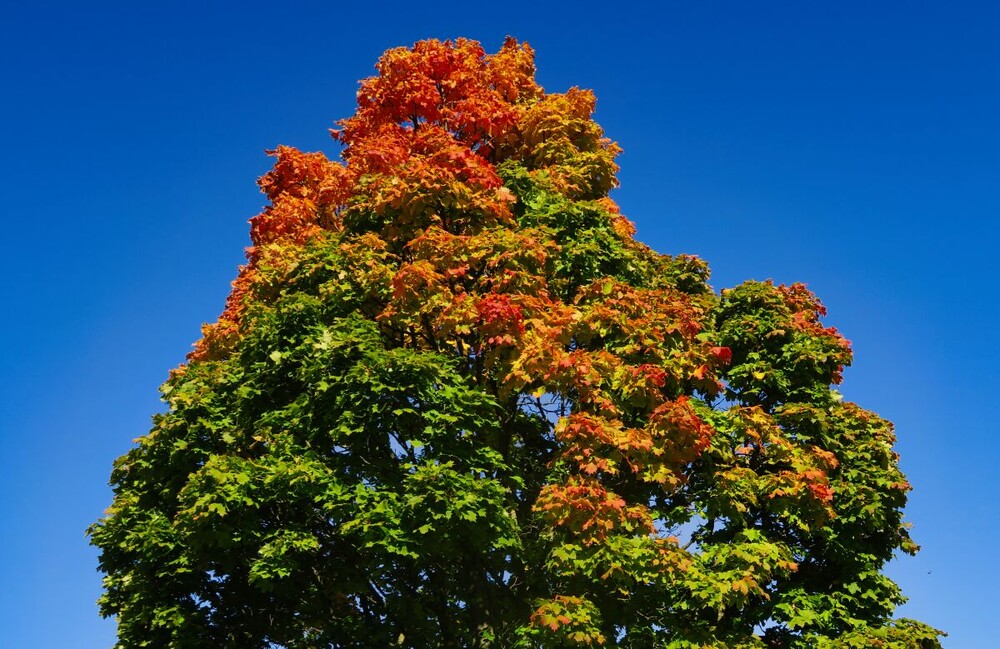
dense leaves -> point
(452, 402)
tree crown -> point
(453, 402)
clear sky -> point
(854, 146)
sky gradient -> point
(852, 146)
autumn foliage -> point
(452, 402)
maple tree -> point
(452, 402)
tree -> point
(452, 402)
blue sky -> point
(854, 146)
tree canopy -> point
(453, 402)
